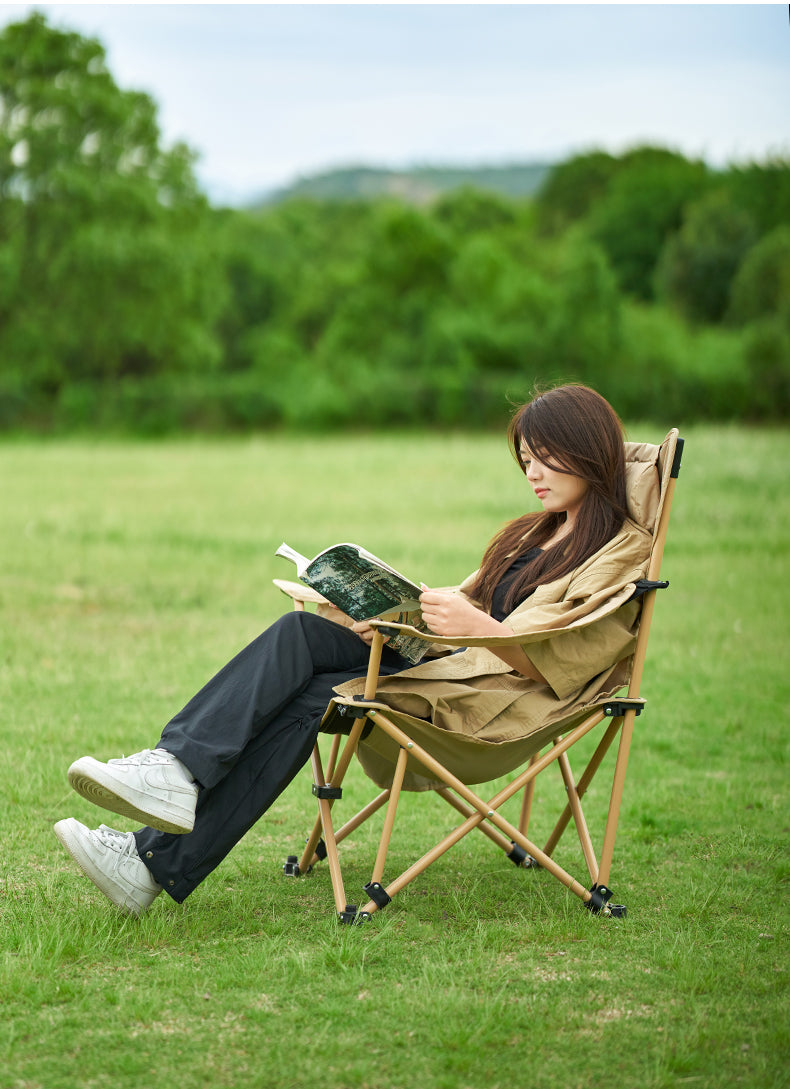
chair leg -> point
(330, 769)
(389, 820)
(584, 782)
(327, 792)
(325, 818)
(574, 801)
(526, 801)
(616, 798)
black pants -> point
(246, 735)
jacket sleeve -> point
(570, 659)
(593, 617)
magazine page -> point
(409, 646)
(364, 587)
(359, 584)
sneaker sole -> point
(91, 779)
(68, 834)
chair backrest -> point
(651, 475)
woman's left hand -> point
(448, 613)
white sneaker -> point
(151, 787)
(111, 861)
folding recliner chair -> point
(403, 753)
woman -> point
(556, 585)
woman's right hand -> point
(365, 632)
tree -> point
(642, 206)
(467, 211)
(762, 286)
(105, 264)
(767, 357)
(572, 188)
(763, 190)
(698, 263)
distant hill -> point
(415, 185)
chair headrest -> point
(643, 483)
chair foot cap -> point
(291, 866)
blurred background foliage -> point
(129, 303)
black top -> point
(498, 610)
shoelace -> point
(157, 757)
(146, 756)
(121, 843)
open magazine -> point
(363, 586)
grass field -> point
(132, 571)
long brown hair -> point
(574, 430)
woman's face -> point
(556, 490)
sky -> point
(268, 93)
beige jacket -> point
(578, 631)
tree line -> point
(128, 302)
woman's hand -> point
(448, 613)
(365, 632)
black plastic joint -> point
(644, 586)
(327, 791)
(617, 708)
(352, 712)
(518, 856)
(599, 904)
(320, 850)
(349, 916)
(291, 866)
(675, 470)
(599, 899)
(377, 894)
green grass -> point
(132, 571)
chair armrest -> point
(299, 592)
(490, 641)
(304, 595)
